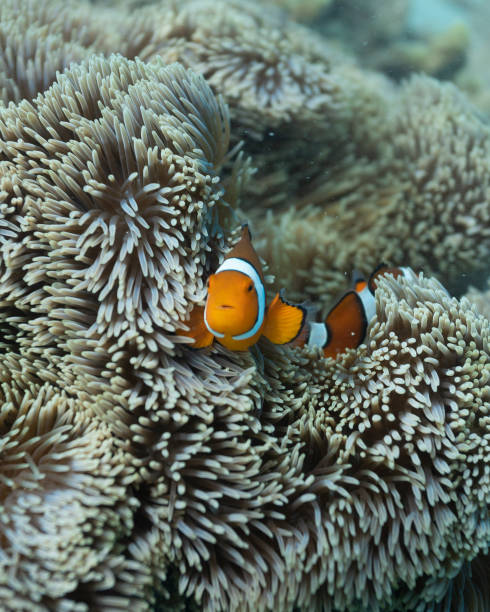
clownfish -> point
(235, 312)
(346, 323)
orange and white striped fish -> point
(236, 313)
(346, 324)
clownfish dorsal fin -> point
(358, 281)
(243, 249)
(284, 321)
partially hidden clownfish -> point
(346, 324)
(236, 313)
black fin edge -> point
(303, 310)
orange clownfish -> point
(346, 323)
(235, 313)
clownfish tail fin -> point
(284, 321)
(305, 334)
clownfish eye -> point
(250, 287)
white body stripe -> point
(240, 265)
(369, 303)
(318, 335)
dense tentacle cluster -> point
(469, 589)
(37, 39)
(423, 201)
(374, 468)
(68, 21)
(30, 58)
(88, 187)
(63, 497)
(123, 199)
(442, 149)
(481, 299)
(291, 95)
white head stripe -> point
(241, 265)
(369, 303)
(318, 335)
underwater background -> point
(137, 472)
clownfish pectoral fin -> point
(306, 335)
(197, 329)
(284, 322)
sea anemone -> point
(441, 213)
(373, 467)
(72, 21)
(481, 299)
(120, 162)
(292, 96)
(65, 507)
(139, 472)
(469, 589)
(30, 58)
(422, 200)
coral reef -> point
(137, 473)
